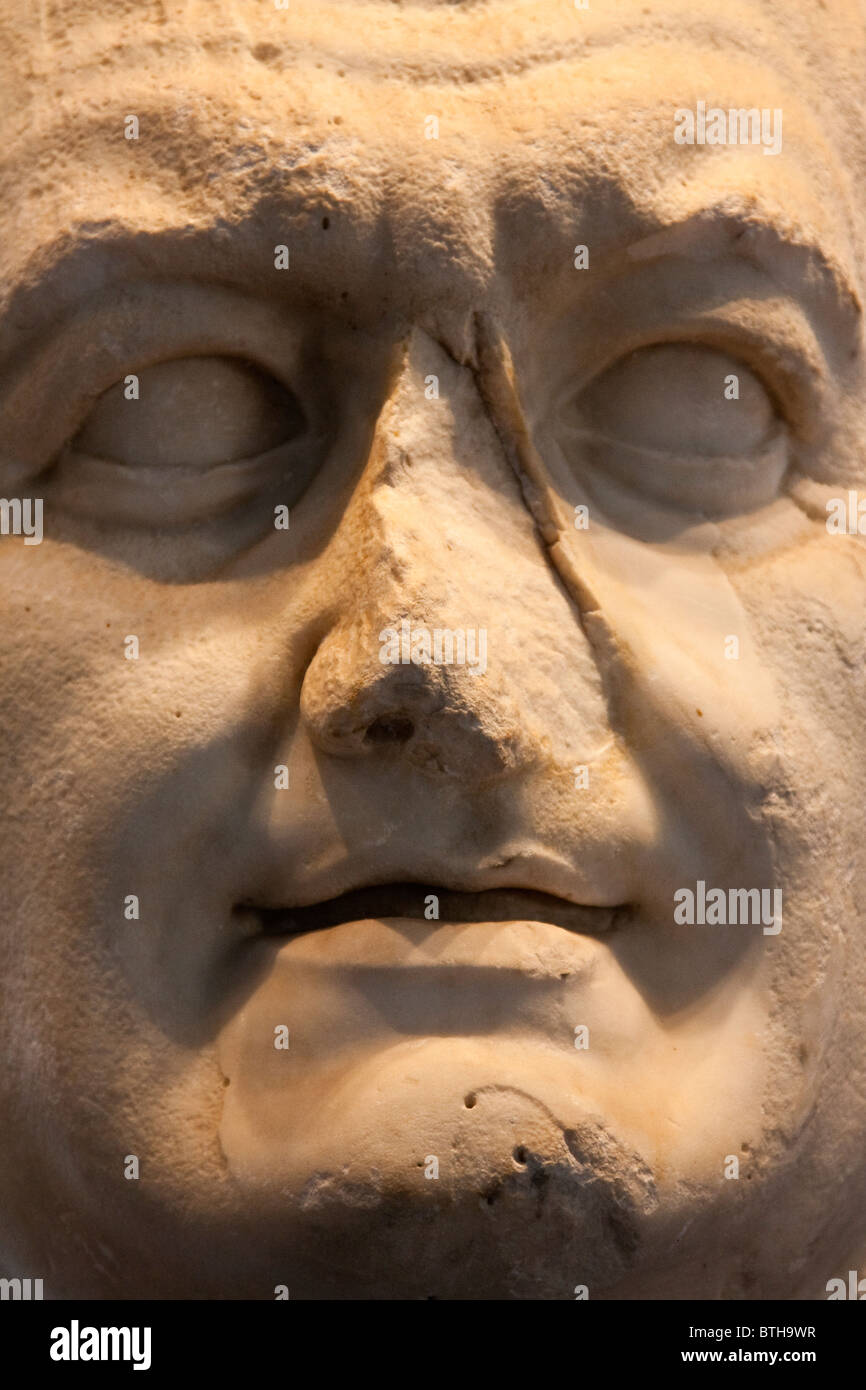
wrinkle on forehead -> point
(255, 115)
(419, 40)
(198, 98)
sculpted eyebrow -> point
(803, 266)
(78, 266)
(68, 266)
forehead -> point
(430, 128)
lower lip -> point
(537, 949)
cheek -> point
(131, 724)
(694, 697)
(807, 607)
(108, 678)
(681, 634)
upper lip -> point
(304, 876)
(413, 899)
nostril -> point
(390, 728)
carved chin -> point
(519, 1207)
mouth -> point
(374, 963)
(435, 906)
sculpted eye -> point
(187, 441)
(684, 424)
(192, 413)
(672, 397)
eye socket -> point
(193, 412)
(671, 398)
(186, 442)
(684, 425)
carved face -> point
(428, 612)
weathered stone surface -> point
(335, 269)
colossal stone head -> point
(433, 705)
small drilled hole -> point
(469, 1101)
(520, 1155)
(326, 222)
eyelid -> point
(129, 494)
(702, 483)
(794, 378)
(124, 330)
(727, 304)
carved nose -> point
(440, 719)
(440, 656)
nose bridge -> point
(436, 529)
(435, 462)
(413, 497)
(400, 666)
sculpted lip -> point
(413, 901)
